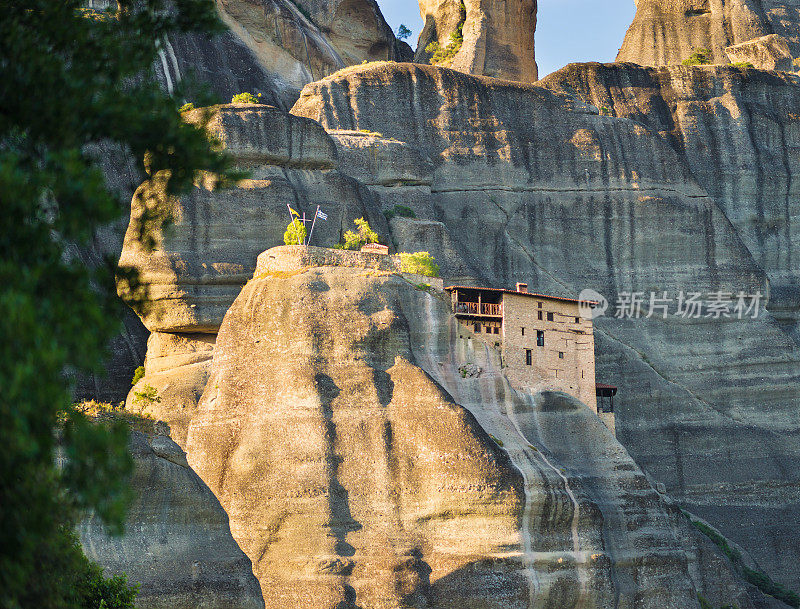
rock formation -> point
(498, 36)
(354, 461)
(535, 174)
(177, 543)
(766, 53)
(665, 32)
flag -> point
(292, 211)
(321, 216)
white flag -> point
(321, 216)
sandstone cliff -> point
(564, 198)
(666, 32)
(177, 544)
(496, 37)
(355, 464)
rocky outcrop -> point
(541, 188)
(498, 36)
(177, 543)
(206, 255)
(665, 32)
(350, 478)
(353, 458)
(765, 53)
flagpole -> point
(316, 213)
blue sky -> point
(568, 30)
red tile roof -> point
(501, 290)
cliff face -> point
(354, 461)
(177, 544)
(564, 199)
(737, 131)
(498, 37)
(665, 32)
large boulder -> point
(543, 188)
(498, 36)
(177, 543)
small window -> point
(540, 305)
(560, 355)
(523, 331)
(549, 317)
(497, 329)
(477, 328)
(540, 338)
(528, 357)
(577, 320)
(540, 316)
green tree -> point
(245, 98)
(403, 32)
(354, 240)
(57, 315)
(296, 231)
(700, 57)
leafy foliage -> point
(742, 65)
(400, 211)
(443, 55)
(137, 375)
(146, 395)
(700, 57)
(57, 315)
(421, 263)
(295, 233)
(764, 583)
(246, 98)
(403, 32)
(186, 107)
(355, 240)
(760, 580)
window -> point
(528, 357)
(497, 329)
(560, 355)
(477, 328)
(540, 338)
(540, 316)
(549, 317)
(523, 331)
(577, 320)
(540, 305)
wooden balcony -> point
(482, 309)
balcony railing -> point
(479, 308)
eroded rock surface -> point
(177, 543)
(498, 36)
(737, 132)
(350, 478)
(665, 32)
(766, 53)
(208, 253)
(545, 190)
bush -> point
(186, 107)
(742, 64)
(97, 592)
(444, 55)
(246, 98)
(400, 211)
(137, 375)
(295, 233)
(147, 395)
(421, 263)
(700, 57)
(764, 583)
(355, 240)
